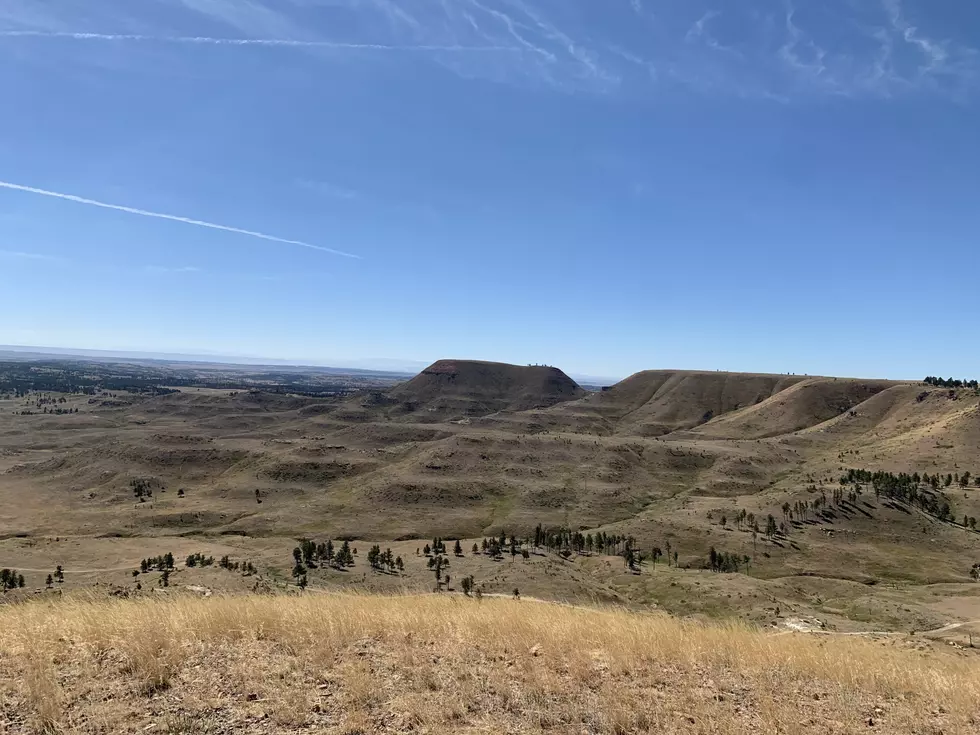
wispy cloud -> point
(697, 29)
(170, 217)
(515, 31)
(889, 55)
(20, 255)
(552, 53)
(769, 49)
(934, 53)
(270, 42)
(801, 54)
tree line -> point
(951, 383)
(921, 491)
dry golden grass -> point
(361, 664)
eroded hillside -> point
(693, 460)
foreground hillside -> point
(440, 664)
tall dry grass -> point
(362, 664)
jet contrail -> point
(171, 217)
(204, 40)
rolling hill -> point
(453, 389)
(468, 449)
(657, 402)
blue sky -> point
(767, 185)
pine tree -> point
(345, 558)
(374, 556)
(308, 549)
(457, 549)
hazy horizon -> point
(378, 364)
(381, 364)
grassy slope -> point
(360, 664)
(322, 473)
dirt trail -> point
(951, 626)
(936, 631)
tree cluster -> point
(561, 539)
(200, 560)
(246, 567)
(495, 547)
(631, 557)
(437, 564)
(385, 561)
(310, 554)
(10, 579)
(163, 563)
(951, 383)
(142, 488)
(48, 404)
(801, 510)
(922, 492)
(438, 547)
(723, 561)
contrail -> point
(171, 217)
(205, 40)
